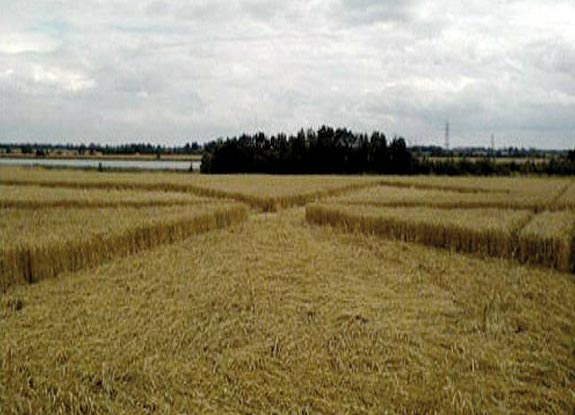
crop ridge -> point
(30, 264)
(174, 187)
(503, 243)
(92, 204)
(511, 205)
(556, 203)
(481, 241)
(283, 202)
(264, 203)
(547, 239)
(431, 186)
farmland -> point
(259, 191)
(34, 197)
(532, 194)
(178, 293)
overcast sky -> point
(177, 71)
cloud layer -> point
(178, 71)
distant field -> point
(517, 160)
(534, 194)
(38, 197)
(184, 293)
(477, 184)
(261, 191)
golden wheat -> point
(35, 245)
(566, 200)
(387, 196)
(276, 316)
(487, 232)
(519, 193)
(265, 192)
(475, 184)
(37, 197)
(548, 240)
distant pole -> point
(447, 135)
(492, 143)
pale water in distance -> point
(106, 164)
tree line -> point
(500, 153)
(341, 151)
(486, 166)
(322, 151)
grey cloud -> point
(374, 11)
(553, 56)
(156, 8)
(197, 70)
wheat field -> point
(34, 197)
(487, 232)
(549, 239)
(40, 244)
(319, 306)
(532, 198)
(264, 192)
(566, 200)
(474, 184)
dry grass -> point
(265, 192)
(548, 240)
(566, 199)
(39, 197)
(486, 232)
(271, 193)
(534, 198)
(275, 316)
(35, 245)
(475, 184)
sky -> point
(171, 72)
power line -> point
(492, 142)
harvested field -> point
(275, 316)
(35, 245)
(38, 197)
